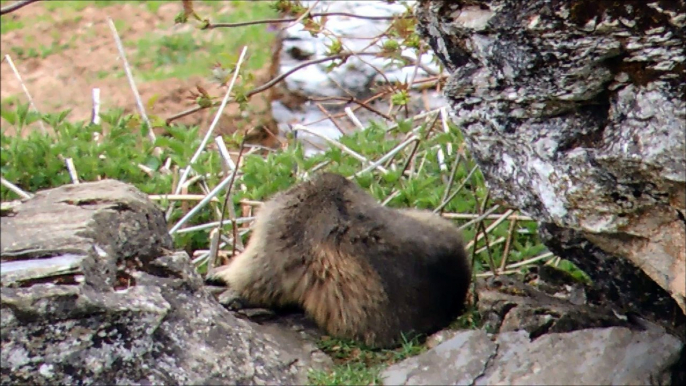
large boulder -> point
(575, 111)
(91, 294)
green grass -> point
(79, 5)
(7, 24)
(162, 56)
(355, 364)
(185, 54)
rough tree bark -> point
(576, 111)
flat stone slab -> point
(598, 356)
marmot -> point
(362, 271)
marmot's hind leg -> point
(345, 297)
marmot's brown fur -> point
(361, 270)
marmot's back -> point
(361, 270)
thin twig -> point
(353, 118)
(202, 203)
(500, 240)
(481, 217)
(14, 188)
(15, 6)
(226, 200)
(288, 20)
(224, 152)
(72, 171)
(215, 224)
(214, 248)
(179, 197)
(351, 100)
(490, 228)
(132, 82)
(451, 180)
(214, 123)
(339, 145)
(530, 261)
(459, 188)
(388, 155)
(471, 216)
(271, 83)
(95, 112)
(26, 90)
(484, 234)
(508, 242)
(304, 15)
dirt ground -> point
(64, 79)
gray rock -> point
(575, 112)
(459, 361)
(609, 356)
(98, 313)
(507, 304)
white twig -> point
(202, 203)
(415, 118)
(95, 113)
(179, 197)
(490, 273)
(15, 188)
(200, 149)
(129, 75)
(26, 90)
(214, 224)
(390, 197)
(147, 170)
(530, 261)
(224, 152)
(480, 217)
(470, 216)
(446, 128)
(353, 118)
(357, 156)
(459, 188)
(496, 242)
(15, 6)
(389, 155)
(199, 256)
(495, 223)
(214, 248)
(72, 171)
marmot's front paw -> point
(231, 300)
(217, 276)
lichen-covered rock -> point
(80, 306)
(575, 111)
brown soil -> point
(64, 80)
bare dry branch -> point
(15, 6)
(295, 19)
